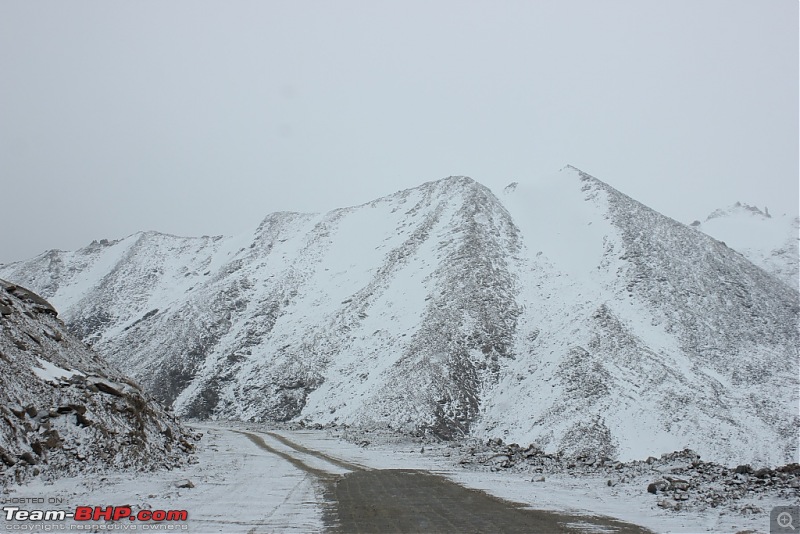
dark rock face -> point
(65, 410)
(37, 303)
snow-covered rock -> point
(561, 313)
(64, 409)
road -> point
(364, 500)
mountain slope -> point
(562, 313)
(771, 242)
(644, 332)
(249, 326)
(64, 409)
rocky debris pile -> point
(709, 484)
(678, 480)
(64, 410)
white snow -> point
(53, 373)
(563, 221)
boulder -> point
(658, 485)
(743, 469)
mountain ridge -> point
(447, 309)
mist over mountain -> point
(768, 240)
(562, 313)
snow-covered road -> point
(238, 487)
(254, 480)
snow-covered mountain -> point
(64, 409)
(562, 313)
(769, 241)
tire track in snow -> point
(259, 442)
(400, 500)
(335, 461)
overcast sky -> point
(202, 117)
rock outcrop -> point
(64, 410)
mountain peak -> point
(449, 184)
(585, 176)
(740, 208)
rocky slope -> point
(64, 409)
(561, 313)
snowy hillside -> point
(65, 410)
(562, 313)
(769, 241)
(637, 326)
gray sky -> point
(197, 117)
